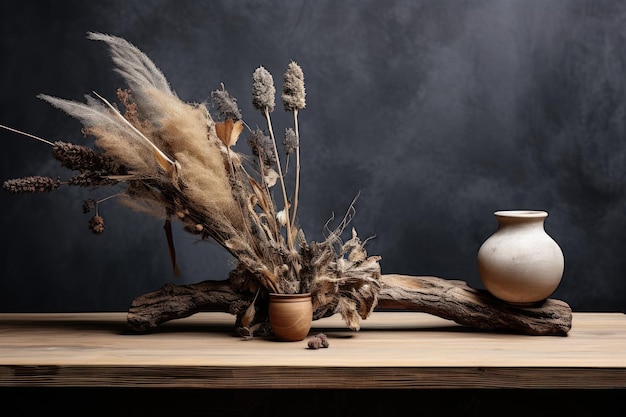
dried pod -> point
(261, 146)
(32, 184)
(226, 104)
(290, 141)
(84, 159)
(263, 90)
(293, 88)
(96, 224)
(89, 205)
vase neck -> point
(531, 218)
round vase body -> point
(291, 316)
(520, 263)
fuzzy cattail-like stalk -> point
(32, 184)
(263, 90)
(293, 88)
(226, 104)
(293, 100)
(261, 146)
(263, 98)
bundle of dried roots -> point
(173, 160)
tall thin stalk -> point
(297, 180)
(293, 100)
(290, 239)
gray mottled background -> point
(437, 112)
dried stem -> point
(297, 180)
(290, 239)
(27, 134)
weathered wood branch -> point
(456, 301)
(148, 311)
(449, 299)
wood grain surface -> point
(392, 350)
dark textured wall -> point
(437, 112)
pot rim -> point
(285, 295)
(529, 214)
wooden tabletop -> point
(392, 350)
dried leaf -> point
(229, 131)
(248, 316)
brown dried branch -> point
(450, 299)
(455, 300)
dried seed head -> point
(74, 157)
(226, 104)
(96, 224)
(83, 159)
(131, 113)
(32, 184)
(263, 147)
(89, 205)
(263, 90)
(293, 88)
(290, 141)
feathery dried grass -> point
(184, 132)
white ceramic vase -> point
(520, 263)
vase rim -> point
(286, 295)
(533, 214)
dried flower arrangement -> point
(173, 160)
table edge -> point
(288, 377)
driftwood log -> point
(449, 299)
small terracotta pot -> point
(291, 316)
